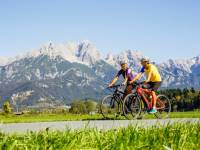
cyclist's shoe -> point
(153, 111)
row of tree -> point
(183, 99)
(77, 107)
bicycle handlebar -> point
(115, 86)
(137, 83)
(118, 85)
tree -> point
(197, 101)
(90, 106)
(174, 108)
(185, 92)
(6, 107)
(178, 91)
(183, 100)
(178, 97)
(192, 90)
(78, 107)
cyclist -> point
(153, 81)
(128, 76)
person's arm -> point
(113, 81)
(137, 77)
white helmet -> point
(145, 59)
(123, 62)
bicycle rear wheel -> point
(110, 107)
(131, 106)
(163, 106)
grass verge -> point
(177, 136)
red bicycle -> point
(131, 104)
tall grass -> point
(177, 136)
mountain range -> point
(64, 72)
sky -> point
(159, 29)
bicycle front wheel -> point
(110, 107)
(131, 106)
(163, 106)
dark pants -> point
(153, 85)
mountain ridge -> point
(70, 71)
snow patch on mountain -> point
(181, 65)
(132, 57)
(196, 59)
(82, 52)
(86, 52)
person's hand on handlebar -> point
(110, 85)
(129, 82)
(144, 82)
(123, 83)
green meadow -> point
(45, 117)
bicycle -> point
(111, 105)
(145, 103)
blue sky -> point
(159, 29)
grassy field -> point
(177, 136)
(69, 117)
(46, 117)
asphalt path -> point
(98, 124)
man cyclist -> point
(153, 81)
(128, 75)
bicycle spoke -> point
(131, 106)
(163, 107)
(110, 107)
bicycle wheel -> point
(144, 109)
(131, 106)
(163, 106)
(110, 107)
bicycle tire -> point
(110, 107)
(131, 106)
(163, 106)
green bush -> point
(78, 107)
(83, 107)
(91, 106)
(6, 107)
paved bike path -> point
(99, 124)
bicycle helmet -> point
(145, 59)
(122, 62)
